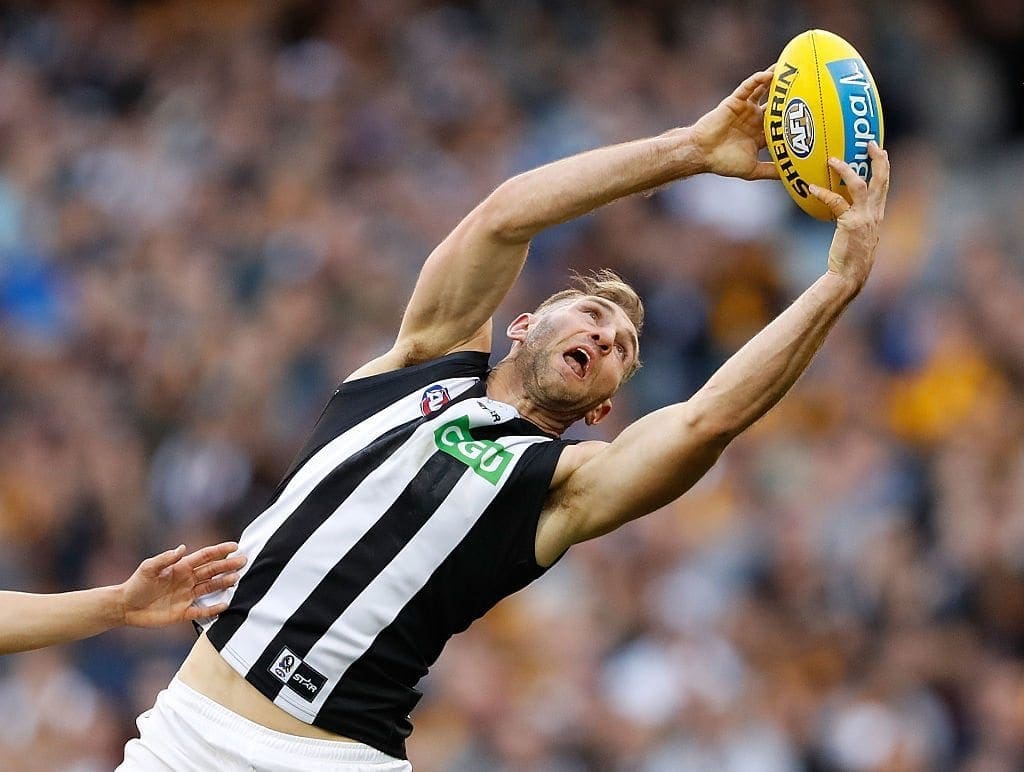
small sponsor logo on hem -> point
(297, 675)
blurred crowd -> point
(211, 211)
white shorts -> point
(186, 731)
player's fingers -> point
(878, 188)
(206, 554)
(835, 202)
(154, 565)
(215, 567)
(759, 92)
(854, 182)
(747, 87)
(215, 584)
(765, 170)
(204, 612)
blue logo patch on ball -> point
(859, 102)
(433, 399)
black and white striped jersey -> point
(412, 510)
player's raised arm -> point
(656, 459)
(466, 277)
(161, 591)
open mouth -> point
(579, 361)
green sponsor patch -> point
(488, 459)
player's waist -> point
(205, 671)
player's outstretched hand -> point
(731, 135)
(857, 225)
(164, 586)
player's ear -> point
(520, 327)
(596, 414)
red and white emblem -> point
(433, 399)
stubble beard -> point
(544, 384)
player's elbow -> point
(707, 425)
(500, 215)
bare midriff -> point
(206, 671)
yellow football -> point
(822, 102)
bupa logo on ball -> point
(433, 399)
(798, 127)
(860, 112)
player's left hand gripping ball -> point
(822, 102)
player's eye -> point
(622, 350)
(592, 314)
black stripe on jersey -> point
(518, 427)
(359, 566)
(387, 387)
(329, 493)
(495, 559)
(355, 401)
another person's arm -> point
(160, 591)
(657, 458)
(468, 275)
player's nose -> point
(603, 337)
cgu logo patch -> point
(799, 128)
(434, 398)
(297, 675)
(488, 459)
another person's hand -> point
(163, 587)
(857, 225)
(730, 136)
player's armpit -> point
(401, 355)
(460, 286)
(654, 461)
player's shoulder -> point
(406, 354)
(385, 363)
(395, 364)
(572, 458)
(558, 520)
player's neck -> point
(504, 385)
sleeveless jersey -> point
(411, 511)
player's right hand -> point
(731, 135)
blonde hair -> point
(607, 284)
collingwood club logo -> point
(297, 675)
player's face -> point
(579, 352)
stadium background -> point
(212, 211)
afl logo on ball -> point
(799, 128)
(433, 399)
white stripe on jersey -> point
(256, 535)
(332, 540)
(390, 591)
